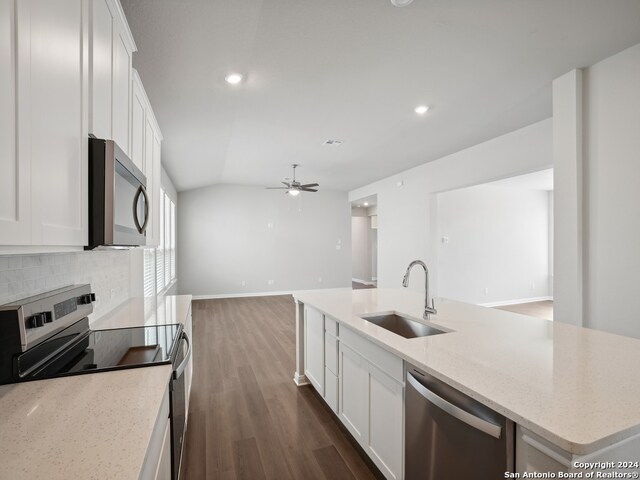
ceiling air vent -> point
(332, 143)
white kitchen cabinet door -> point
(101, 28)
(155, 189)
(138, 123)
(314, 348)
(164, 465)
(53, 128)
(157, 461)
(152, 171)
(15, 171)
(123, 49)
(353, 405)
(385, 437)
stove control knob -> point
(37, 320)
(86, 299)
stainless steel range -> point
(48, 336)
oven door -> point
(177, 394)
(130, 207)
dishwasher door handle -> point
(471, 420)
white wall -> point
(361, 245)
(497, 248)
(228, 234)
(610, 179)
(407, 214)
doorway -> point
(495, 244)
(364, 242)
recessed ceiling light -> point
(366, 204)
(400, 3)
(421, 109)
(233, 78)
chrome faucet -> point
(428, 310)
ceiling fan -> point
(294, 187)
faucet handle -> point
(431, 309)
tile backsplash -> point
(108, 272)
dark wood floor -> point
(247, 419)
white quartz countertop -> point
(94, 426)
(578, 388)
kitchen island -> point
(574, 393)
(106, 425)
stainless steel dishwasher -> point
(450, 436)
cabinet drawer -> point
(331, 390)
(331, 353)
(378, 356)
(331, 326)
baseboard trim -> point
(240, 295)
(515, 302)
(357, 280)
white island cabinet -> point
(362, 384)
(314, 348)
(565, 426)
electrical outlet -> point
(486, 291)
(270, 282)
(319, 279)
(243, 283)
(533, 286)
(113, 293)
(338, 247)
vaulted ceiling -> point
(354, 70)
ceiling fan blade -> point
(308, 190)
(286, 183)
(309, 185)
(276, 188)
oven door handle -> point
(180, 370)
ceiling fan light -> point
(294, 192)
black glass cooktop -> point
(79, 350)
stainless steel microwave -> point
(118, 200)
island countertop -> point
(576, 387)
(93, 426)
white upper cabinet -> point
(123, 48)
(138, 123)
(101, 34)
(15, 208)
(152, 170)
(111, 47)
(65, 73)
(145, 152)
(52, 81)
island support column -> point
(299, 377)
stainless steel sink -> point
(401, 325)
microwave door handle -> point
(141, 191)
